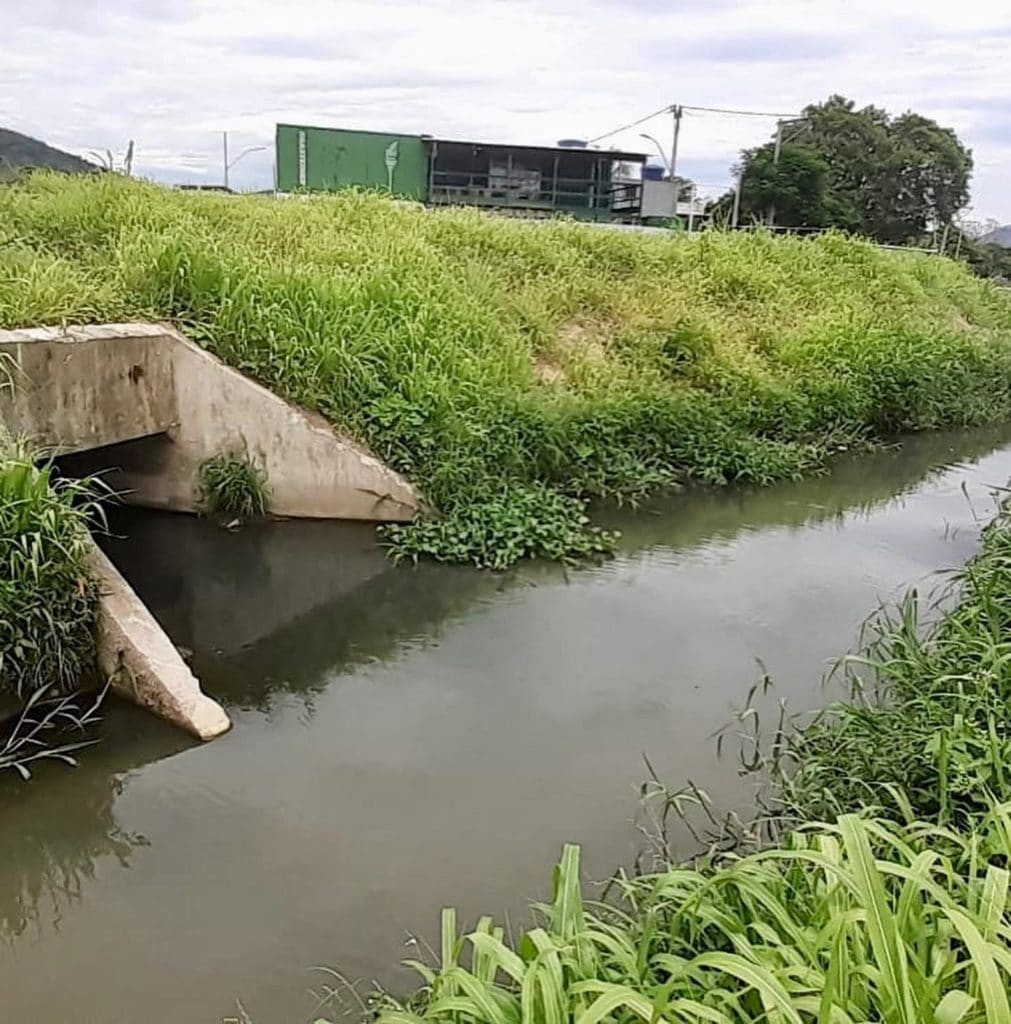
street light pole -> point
(229, 164)
(775, 163)
(777, 149)
(735, 216)
(659, 149)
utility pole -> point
(676, 111)
(224, 154)
(691, 208)
(734, 217)
(775, 163)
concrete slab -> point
(142, 663)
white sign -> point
(392, 153)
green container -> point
(326, 159)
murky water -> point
(406, 738)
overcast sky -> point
(172, 74)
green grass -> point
(512, 369)
(48, 597)
(927, 729)
(233, 486)
(856, 921)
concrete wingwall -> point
(142, 664)
(81, 388)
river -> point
(407, 737)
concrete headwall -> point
(80, 388)
(87, 387)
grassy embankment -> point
(844, 919)
(514, 369)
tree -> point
(887, 178)
(795, 185)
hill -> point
(19, 151)
(999, 236)
(515, 369)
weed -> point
(495, 530)
(48, 597)
(233, 486)
(425, 335)
(49, 729)
(860, 920)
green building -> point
(535, 180)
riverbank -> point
(513, 370)
(884, 898)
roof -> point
(612, 154)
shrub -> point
(231, 485)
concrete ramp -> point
(81, 388)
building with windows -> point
(590, 184)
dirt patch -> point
(578, 344)
(548, 371)
(580, 340)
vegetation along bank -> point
(48, 609)
(898, 913)
(512, 369)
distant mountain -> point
(19, 151)
(999, 236)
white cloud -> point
(172, 74)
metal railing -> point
(485, 189)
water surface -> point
(410, 737)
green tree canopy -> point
(860, 170)
(794, 185)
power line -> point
(633, 124)
(684, 106)
(743, 113)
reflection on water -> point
(49, 848)
(406, 737)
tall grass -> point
(515, 369)
(48, 596)
(49, 728)
(857, 921)
(927, 729)
(233, 486)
